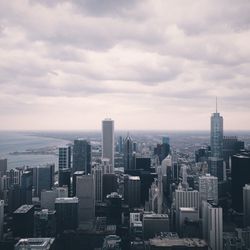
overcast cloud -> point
(151, 64)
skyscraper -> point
(98, 175)
(246, 205)
(64, 159)
(3, 167)
(1, 218)
(240, 177)
(108, 140)
(216, 166)
(82, 156)
(208, 188)
(216, 136)
(128, 153)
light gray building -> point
(108, 140)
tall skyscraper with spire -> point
(216, 136)
(108, 140)
(216, 165)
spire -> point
(216, 105)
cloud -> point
(139, 59)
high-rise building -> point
(109, 184)
(128, 153)
(114, 209)
(43, 178)
(26, 187)
(134, 191)
(216, 136)
(75, 175)
(64, 158)
(82, 156)
(208, 188)
(23, 221)
(240, 176)
(3, 167)
(85, 191)
(13, 177)
(98, 175)
(66, 213)
(108, 140)
(65, 178)
(1, 218)
(246, 205)
(112, 242)
(212, 222)
(36, 244)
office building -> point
(66, 213)
(64, 158)
(112, 242)
(3, 167)
(109, 184)
(13, 177)
(208, 188)
(187, 198)
(23, 221)
(128, 153)
(240, 176)
(216, 167)
(1, 218)
(82, 156)
(45, 223)
(26, 187)
(246, 205)
(43, 178)
(135, 225)
(212, 222)
(14, 198)
(108, 140)
(85, 191)
(75, 175)
(134, 192)
(65, 178)
(36, 244)
(154, 224)
(98, 175)
(48, 197)
(114, 209)
(143, 163)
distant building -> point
(112, 242)
(1, 218)
(109, 184)
(3, 167)
(36, 244)
(64, 158)
(98, 176)
(82, 156)
(128, 153)
(240, 176)
(114, 209)
(108, 140)
(23, 221)
(65, 178)
(75, 175)
(66, 213)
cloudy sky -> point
(151, 64)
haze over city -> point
(151, 64)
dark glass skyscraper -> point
(128, 153)
(82, 156)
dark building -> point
(64, 178)
(231, 146)
(114, 209)
(45, 223)
(66, 214)
(14, 198)
(82, 156)
(26, 187)
(128, 153)
(23, 221)
(202, 154)
(162, 151)
(216, 167)
(77, 173)
(3, 167)
(134, 192)
(143, 163)
(109, 184)
(43, 178)
(240, 177)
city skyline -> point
(156, 65)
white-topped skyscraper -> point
(108, 140)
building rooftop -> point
(67, 200)
(188, 209)
(35, 243)
(155, 216)
(134, 178)
(23, 209)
